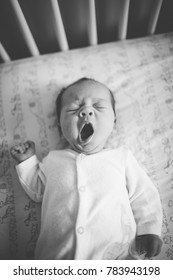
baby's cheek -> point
(70, 131)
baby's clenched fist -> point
(23, 151)
(150, 244)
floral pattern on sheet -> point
(140, 74)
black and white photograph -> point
(86, 133)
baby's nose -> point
(86, 112)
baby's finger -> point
(13, 151)
(16, 148)
(27, 145)
(22, 148)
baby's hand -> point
(150, 244)
(23, 151)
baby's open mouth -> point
(86, 133)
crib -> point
(46, 45)
(30, 28)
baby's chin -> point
(88, 149)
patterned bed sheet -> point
(140, 74)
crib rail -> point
(124, 21)
(60, 32)
(3, 53)
(26, 33)
(154, 17)
(91, 26)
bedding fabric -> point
(140, 74)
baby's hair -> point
(84, 79)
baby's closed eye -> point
(100, 105)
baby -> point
(97, 203)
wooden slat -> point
(92, 24)
(154, 17)
(124, 21)
(4, 55)
(60, 31)
(25, 28)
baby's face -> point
(87, 116)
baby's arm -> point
(29, 170)
(146, 207)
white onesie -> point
(92, 205)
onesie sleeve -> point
(32, 177)
(144, 198)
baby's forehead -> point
(86, 89)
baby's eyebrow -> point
(78, 101)
(101, 99)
